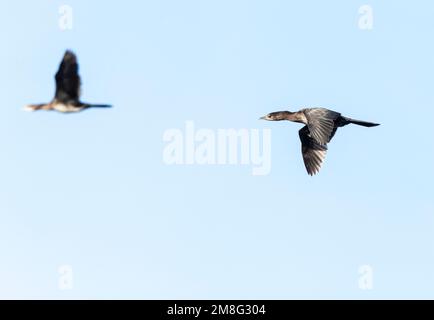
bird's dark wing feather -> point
(333, 132)
(313, 152)
(321, 123)
(339, 122)
(67, 79)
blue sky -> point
(91, 190)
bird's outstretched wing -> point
(321, 123)
(313, 152)
(67, 79)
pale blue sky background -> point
(91, 190)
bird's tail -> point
(362, 123)
(89, 105)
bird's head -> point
(276, 116)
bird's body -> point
(320, 127)
(67, 95)
(57, 106)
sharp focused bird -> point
(67, 95)
(320, 127)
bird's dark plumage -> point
(320, 127)
(67, 95)
(67, 79)
(321, 123)
(313, 153)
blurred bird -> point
(67, 96)
(320, 127)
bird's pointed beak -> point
(263, 118)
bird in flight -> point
(67, 96)
(320, 127)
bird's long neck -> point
(295, 116)
(41, 106)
